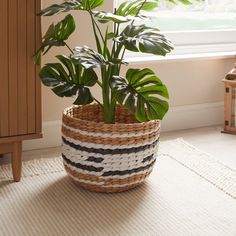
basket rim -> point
(102, 123)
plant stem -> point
(99, 83)
(97, 101)
(95, 23)
(95, 35)
(69, 48)
(118, 49)
(116, 31)
(122, 57)
(105, 96)
(99, 30)
(138, 11)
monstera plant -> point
(140, 90)
(108, 145)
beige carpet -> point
(189, 193)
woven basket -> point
(107, 157)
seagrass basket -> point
(107, 157)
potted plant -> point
(108, 146)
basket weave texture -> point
(107, 157)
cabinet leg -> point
(16, 161)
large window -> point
(202, 27)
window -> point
(203, 27)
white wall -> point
(196, 90)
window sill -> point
(180, 58)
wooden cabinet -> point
(20, 89)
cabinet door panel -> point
(31, 83)
(22, 67)
(4, 125)
(38, 100)
(13, 55)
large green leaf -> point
(67, 79)
(140, 38)
(132, 8)
(56, 35)
(58, 8)
(140, 93)
(71, 5)
(104, 17)
(88, 58)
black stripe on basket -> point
(148, 158)
(128, 172)
(110, 151)
(80, 166)
(95, 159)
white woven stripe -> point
(101, 183)
(122, 164)
(107, 146)
(110, 135)
(129, 165)
(98, 174)
(71, 152)
(110, 166)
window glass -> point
(204, 15)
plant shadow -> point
(88, 212)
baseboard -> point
(178, 118)
(193, 116)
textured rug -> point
(188, 193)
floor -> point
(208, 139)
(211, 140)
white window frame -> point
(191, 42)
(187, 44)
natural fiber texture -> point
(108, 157)
(34, 168)
(172, 201)
(204, 165)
